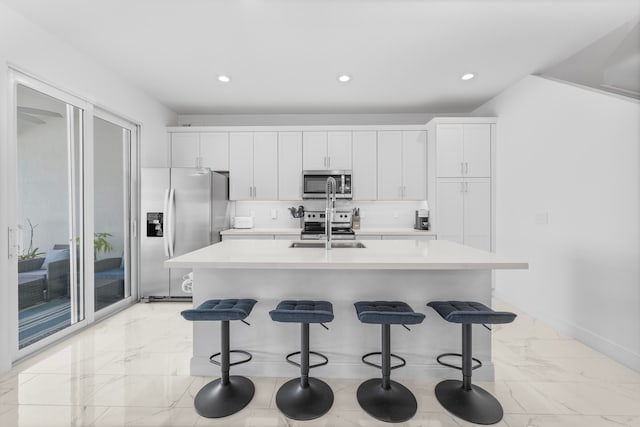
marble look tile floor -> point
(133, 370)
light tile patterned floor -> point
(133, 370)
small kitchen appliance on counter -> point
(243, 222)
(314, 226)
(422, 217)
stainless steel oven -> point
(314, 183)
(314, 226)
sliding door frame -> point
(131, 212)
(84, 224)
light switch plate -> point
(274, 213)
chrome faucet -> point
(330, 210)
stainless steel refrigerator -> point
(183, 209)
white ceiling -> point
(405, 56)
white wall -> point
(33, 50)
(572, 153)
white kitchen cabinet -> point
(402, 165)
(265, 166)
(290, 166)
(365, 169)
(463, 150)
(253, 166)
(211, 148)
(464, 211)
(185, 149)
(214, 150)
(326, 150)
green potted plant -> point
(31, 252)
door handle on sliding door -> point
(172, 220)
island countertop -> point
(377, 255)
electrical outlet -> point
(274, 213)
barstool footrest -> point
(400, 365)
(315, 353)
(459, 368)
(240, 362)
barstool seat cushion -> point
(387, 312)
(220, 309)
(302, 312)
(470, 312)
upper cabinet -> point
(402, 165)
(326, 150)
(365, 158)
(463, 150)
(253, 166)
(206, 149)
(289, 165)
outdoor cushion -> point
(54, 255)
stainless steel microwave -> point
(314, 183)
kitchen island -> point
(412, 271)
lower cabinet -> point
(464, 211)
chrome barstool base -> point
(215, 400)
(476, 405)
(393, 405)
(304, 403)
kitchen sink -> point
(336, 244)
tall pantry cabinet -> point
(464, 196)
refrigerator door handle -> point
(165, 219)
(172, 220)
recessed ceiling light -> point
(468, 76)
(224, 79)
(343, 78)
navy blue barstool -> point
(228, 394)
(462, 398)
(304, 398)
(382, 398)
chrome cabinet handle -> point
(462, 187)
(461, 168)
(254, 192)
(466, 168)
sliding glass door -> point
(48, 212)
(112, 211)
(73, 248)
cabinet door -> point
(214, 150)
(241, 166)
(365, 159)
(265, 166)
(477, 213)
(477, 150)
(339, 150)
(450, 210)
(414, 160)
(389, 165)
(449, 150)
(290, 166)
(185, 148)
(314, 151)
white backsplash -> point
(373, 214)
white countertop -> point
(296, 231)
(377, 255)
